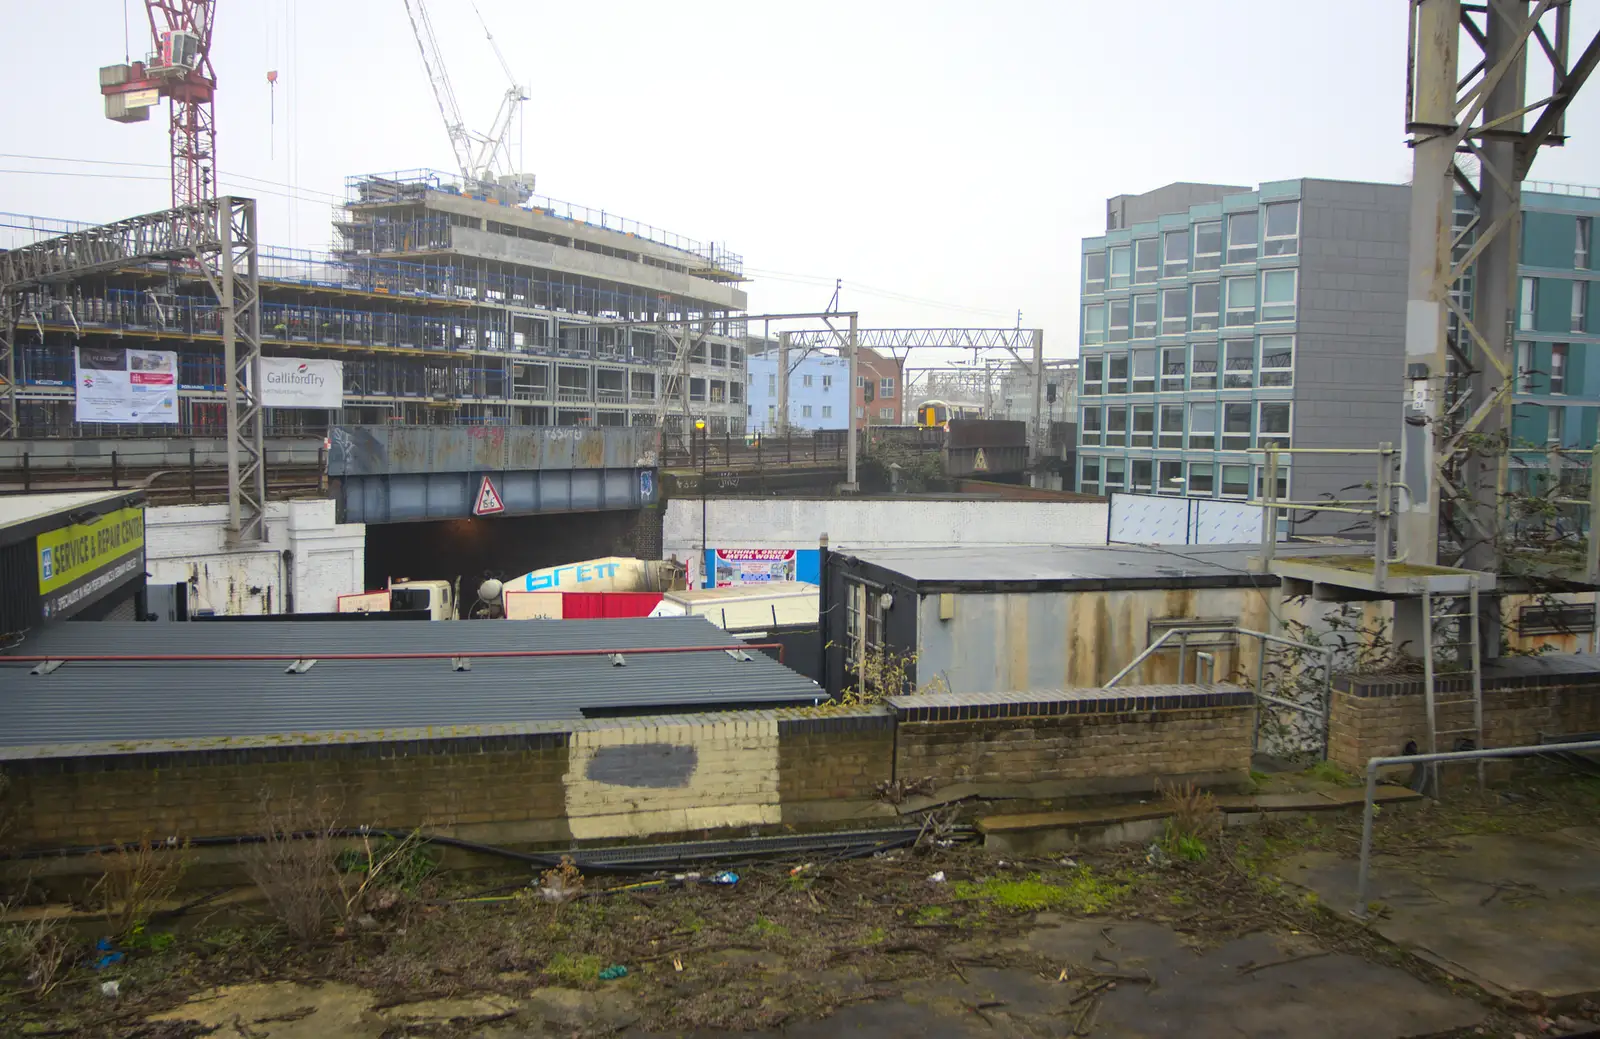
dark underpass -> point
(503, 547)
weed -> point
(135, 879)
(296, 870)
(37, 951)
(574, 969)
(767, 929)
(933, 915)
(1082, 891)
(1327, 772)
(1177, 900)
(1188, 848)
(1195, 819)
(144, 940)
(876, 936)
(402, 864)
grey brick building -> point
(1218, 320)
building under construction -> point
(444, 305)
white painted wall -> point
(875, 523)
(188, 543)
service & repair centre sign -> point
(78, 563)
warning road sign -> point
(488, 500)
(980, 464)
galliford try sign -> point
(289, 382)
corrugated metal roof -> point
(128, 703)
(1066, 565)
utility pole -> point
(783, 383)
(850, 437)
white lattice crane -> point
(481, 157)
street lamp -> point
(700, 428)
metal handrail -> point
(1369, 806)
(1327, 653)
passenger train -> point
(938, 413)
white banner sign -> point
(119, 385)
(289, 382)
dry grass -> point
(135, 879)
(296, 868)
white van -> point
(745, 608)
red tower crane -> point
(178, 68)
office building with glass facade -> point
(1218, 321)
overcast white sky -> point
(943, 158)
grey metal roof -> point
(1087, 566)
(90, 705)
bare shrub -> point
(296, 869)
(36, 951)
(135, 879)
(563, 883)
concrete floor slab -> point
(1516, 915)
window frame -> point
(1113, 253)
(1230, 313)
(1202, 380)
(1196, 432)
(1171, 268)
(1136, 485)
(1165, 484)
(1120, 412)
(1167, 317)
(1143, 275)
(1142, 426)
(1196, 470)
(805, 380)
(1086, 485)
(1172, 377)
(1117, 387)
(1095, 285)
(1222, 482)
(1235, 253)
(1089, 432)
(1088, 334)
(1234, 439)
(1555, 428)
(1107, 463)
(1112, 328)
(1168, 438)
(1557, 379)
(1270, 312)
(1527, 303)
(1271, 376)
(885, 388)
(1146, 329)
(1583, 245)
(1580, 307)
(1276, 245)
(827, 411)
(1265, 438)
(1098, 363)
(1234, 377)
(1138, 381)
(1199, 261)
(805, 411)
(1203, 320)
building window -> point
(1277, 360)
(1089, 428)
(1094, 324)
(1207, 305)
(1146, 313)
(1172, 369)
(1203, 373)
(885, 387)
(1530, 295)
(1117, 374)
(1174, 254)
(1089, 481)
(860, 411)
(1117, 427)
(1202, 427)
(863, 624)
(1278, 294)
(827, 383)
(1281, 491)
(1171, 435)
(861, 382)
(1244, 231)
(1120, 261)
(1092, 369)
(1272, 427)
(886, 414)
(1140, 475)
(827, 411)
(1174, 311)
(805, 411)
(1524, 367)
(1239, 362)
(1235, 481)
(1207, 246)
(1202, 479)
(1115, 468)
(772, 412)
(1241, 301)
(805, 380)
(1144, 371)
(1283, 229)
(1169, 477)
(1118, 325)
(1094, 272)
(1555, 426)
(1236, 427)
(1144, 426)
(1580, 255)
(1580, 306)
(772, 384)
(1558, 368)
(1555, 619)
(1146, 261)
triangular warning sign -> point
(980, 464)
(488, 500)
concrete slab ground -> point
(1260, 985)
(1517, 915)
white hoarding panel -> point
(1149, 520)
(117, 385)
(1227, 523)
(290, 382)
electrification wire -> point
(242, 177)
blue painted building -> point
(819, 391)
(1557, 399)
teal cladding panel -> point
(1539, 379)
(1582, 377)
(1548, 240)
(1588, 420)
(1528, 427)
(1553, 305)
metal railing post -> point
(1382, 516)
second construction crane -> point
(483, 158)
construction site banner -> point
(117, 385)
(731, 566)
(290, 382)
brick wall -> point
(1090, 740)
(1377, 715)
(612, 779)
